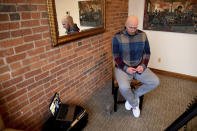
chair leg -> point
(113, 86)
(141, 102)
(115, 98)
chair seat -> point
(134, 82)
(115, 83)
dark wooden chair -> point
(134, 84)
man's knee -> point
(155, 82)
(124, 86)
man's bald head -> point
(131, 24)
(67, 21)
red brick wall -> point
(31, 70)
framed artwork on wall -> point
(171, 15)
(90, 13)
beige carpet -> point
(160, 108)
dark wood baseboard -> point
(173, 74)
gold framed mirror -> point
(88, 15)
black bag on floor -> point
(75, 125)
(66, 117)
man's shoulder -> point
(141, 32)
(119, 33)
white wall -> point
(178, 51)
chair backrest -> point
(2, 126)
(113, 74)
(113, 67)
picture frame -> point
(90, 13)
(58, 39)
(171, 16)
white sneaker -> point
(127, 106)
(136, 112)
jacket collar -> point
(126, 33)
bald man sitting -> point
(131, 53)
(69, 25)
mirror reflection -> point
(78, 15)
(74, 19)
(69, 25)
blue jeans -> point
(148, 78)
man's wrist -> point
(125, 68)
(144, 67)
